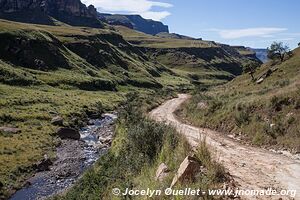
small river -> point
(73, 158)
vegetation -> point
(139, 147)
(278, 50)
(75, 71)
(210, 62)
(264, 113)
(43, 74)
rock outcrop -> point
(68, 133)
(57, 121)
(135, 22)
(187, 170)
(72, 12)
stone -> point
(202, 105)
(43, 165)
(10, 130)
(57, 121)
(106, 140)
(187, 170)
(68, 133)
(27, 184)
(161, 172)
(259, 81)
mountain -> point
(135, 22)
(262, 54)
(48, 12)
(70, 69)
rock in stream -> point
(73, 158)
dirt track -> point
(251, 167)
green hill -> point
(78, 71)
(264, 112)
(203, 62)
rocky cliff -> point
(135, 22)
(72, 12)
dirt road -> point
(251, 167)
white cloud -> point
(249, 32)
(142, 7)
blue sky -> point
(255, 23)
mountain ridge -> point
(135, 22)
(72, 12)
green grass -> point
(212, 63)
(265, 114)
(75, 71)
(44, 71)
(139, 147)
(29, 108)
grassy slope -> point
(66, 83)
(265, 114)
(203, 62)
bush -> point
(241, 117)
(276, 103)
(216, 172)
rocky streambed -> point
(73, 158)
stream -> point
(73, 158)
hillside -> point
(264, 112)
(204, 62)
(78, 72)
(73, 72)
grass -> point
(212, 63)
(43, 73)
(139, 147)
(265, 114)
(74, 71)
(146, 40)
(29, 108)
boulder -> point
(259, 81)
(68, 133)
(10, 130)
(43, 165)
(202, 105)
(187, 170)
(161, 172)
(106, 140)
(57, 121)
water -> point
(73, 158)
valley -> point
(65, 65)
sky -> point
(251, 23)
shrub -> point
(216, 172)
(241, 117)
(276, 103)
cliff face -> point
(72, 12)
(135, 22)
